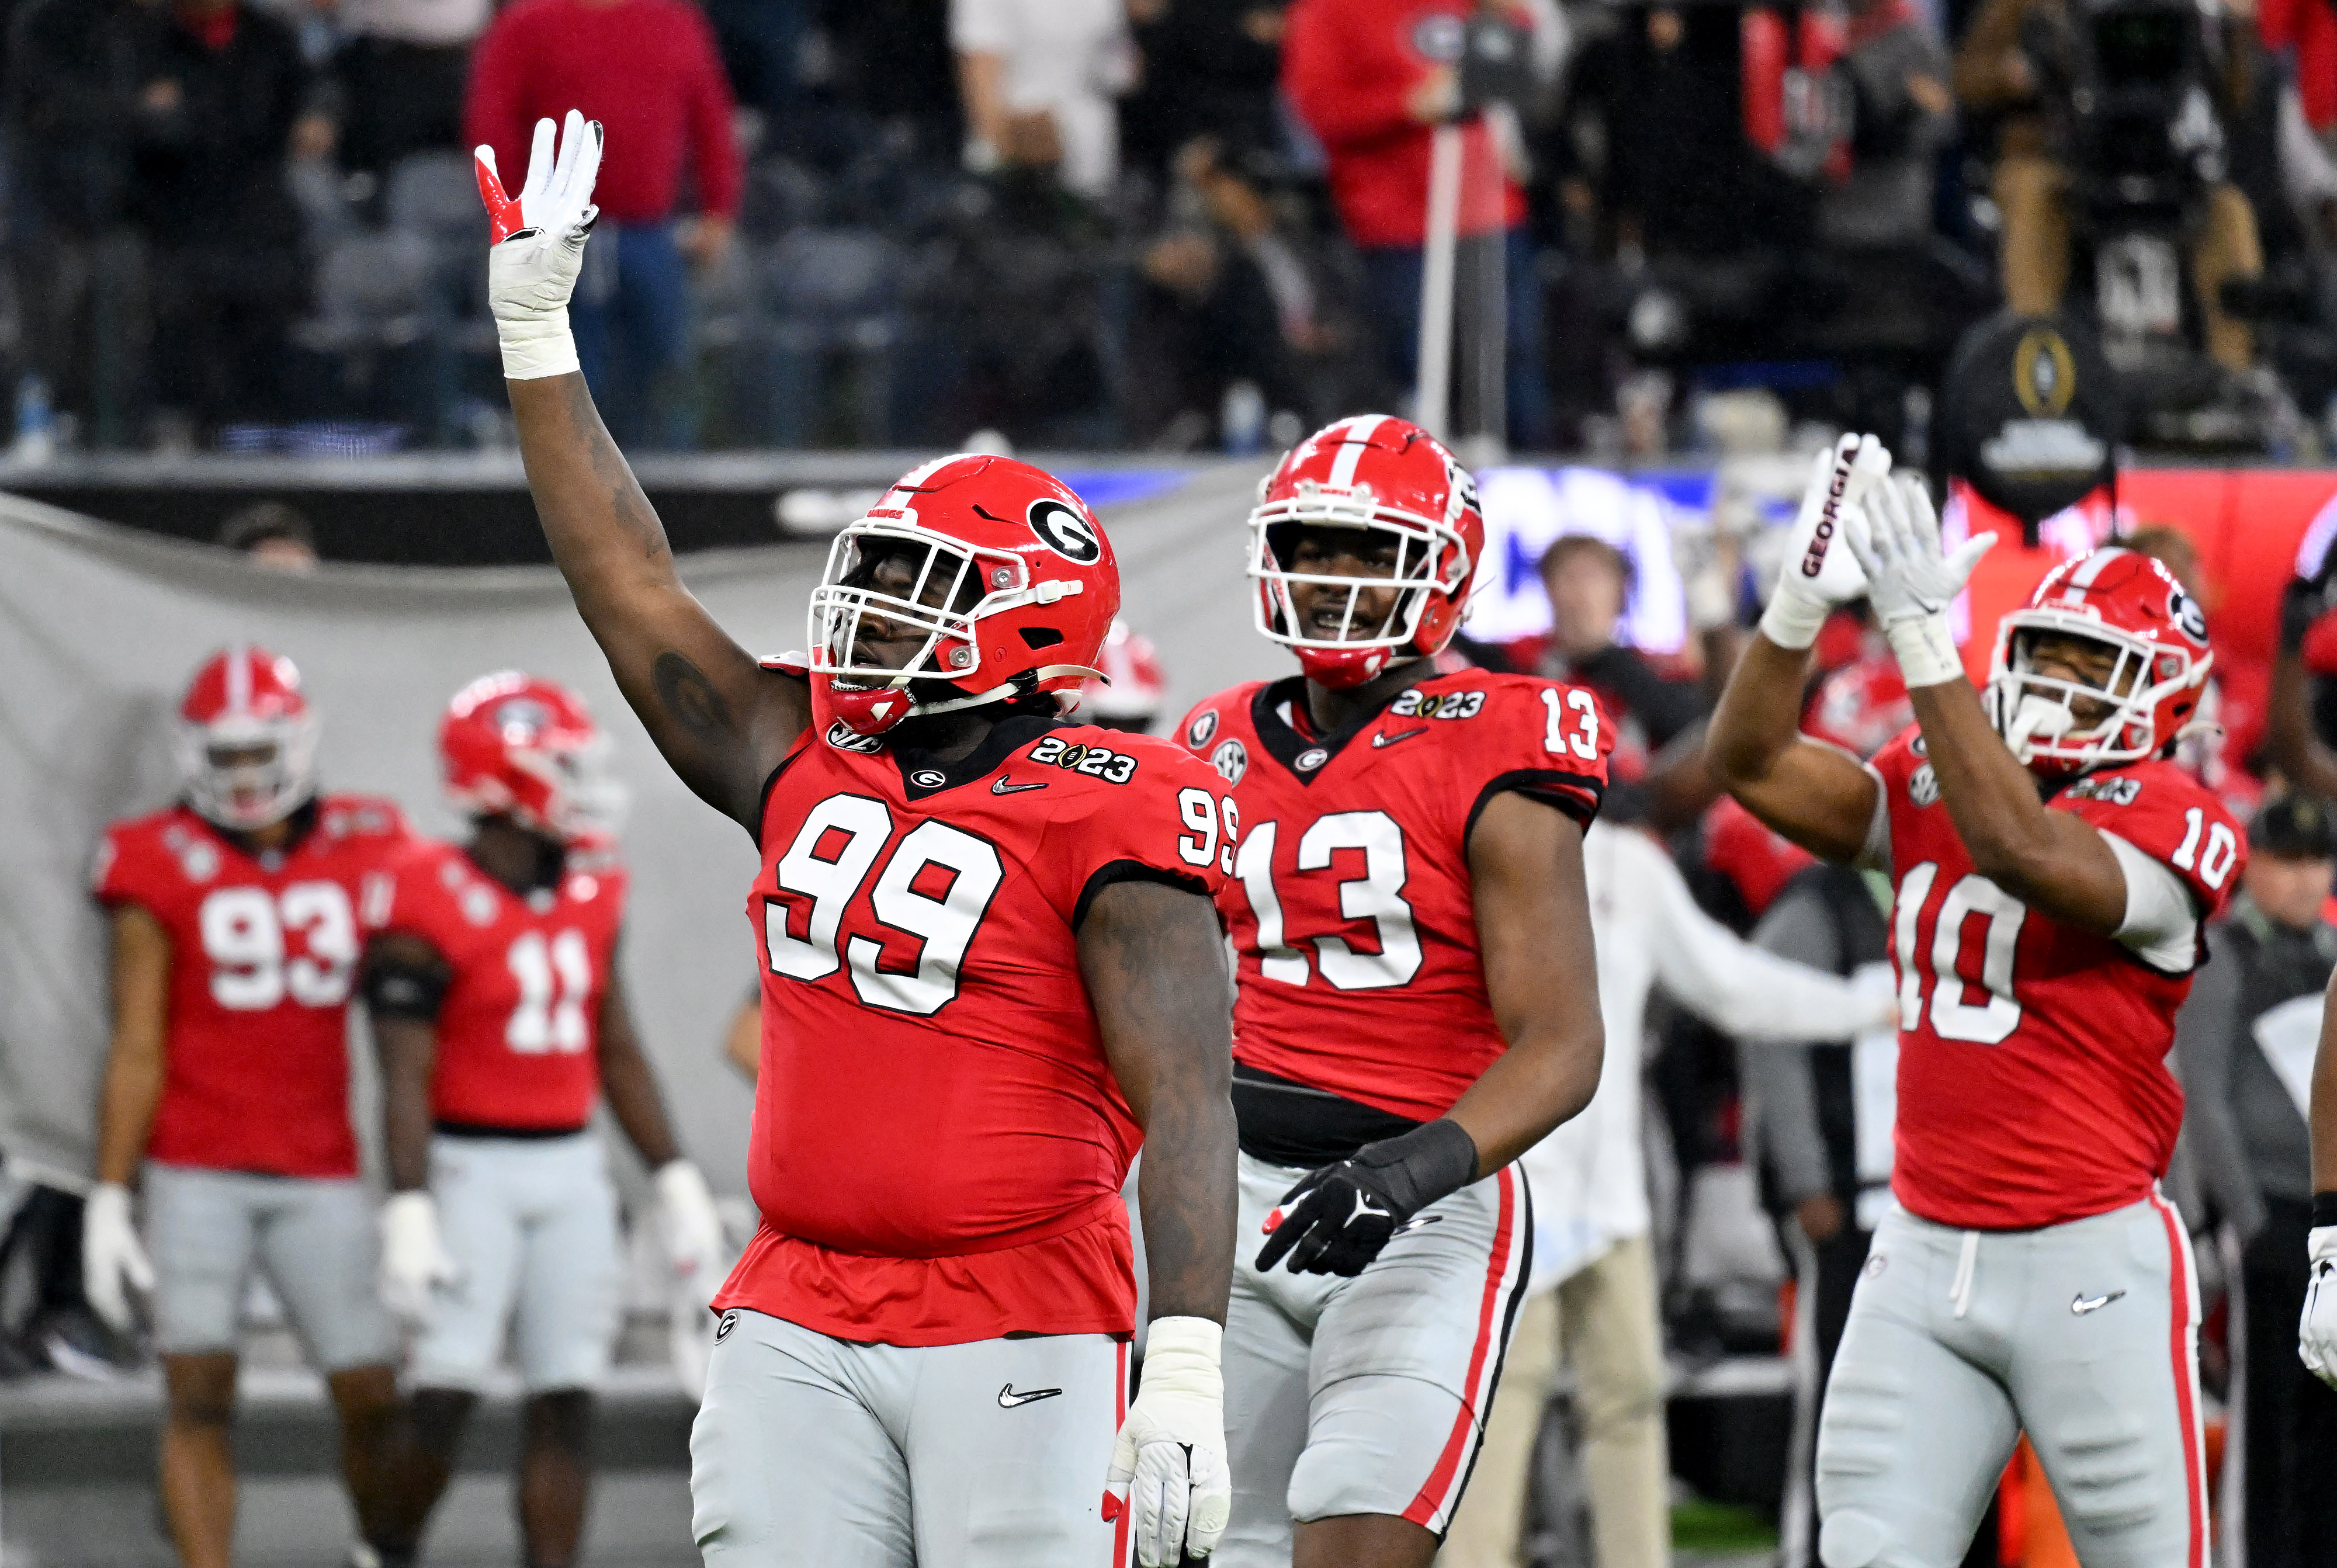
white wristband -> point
(1791, 621)
(1182, 1354)
(1926, 650)
(537, 347)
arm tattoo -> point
(689, 698)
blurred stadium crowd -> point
(1159, 223)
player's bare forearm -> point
(1541, 976)
(1814, 795)
(2325, 1096)
(2311, 766)
(133, 1086)
(2052, 861)
(629, 1082)
(1153, 957)
(720, 720)
(407, 1048)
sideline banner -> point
(99, 627)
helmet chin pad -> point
(1340, 669)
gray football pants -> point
(2084, 1335)
(811, 1452)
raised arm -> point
(2055, 862)
(1813, 794)
(1154, 960)
(721, 721)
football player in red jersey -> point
(237, 918)
(2053, 869)
(502, 1020)
(990, 963)
(1418, 1003)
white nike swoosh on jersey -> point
(1000, 787)
(1384, 740)
(2082, 1305)
(1008, 1399)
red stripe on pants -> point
(2194, 1467)
(1432, 1498)
(1119, 1538)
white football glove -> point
(1816, 578)
(538, 246)
(692, 1229)
(2316, 1333)
(1911, 579)
(111, 1254)
(415, 1263)
(1169, 1462)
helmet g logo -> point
(2188, 617)
(1062, 530)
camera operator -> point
(2015, 63)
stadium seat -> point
(831, 300)
(371, 347)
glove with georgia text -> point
(1168, 1467)
(1336, 1219)
(538, 246)
(1816, 578)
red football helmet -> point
(518, 746)
(1128, 694)
(246, 741)
(1380, 473)
(1002, 571)
(2130, 605)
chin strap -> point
(1023, 685)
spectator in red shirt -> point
(648, 70)
(1373, 79)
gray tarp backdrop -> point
(99, 627)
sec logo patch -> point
(1231, 760)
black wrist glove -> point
(1337, 1219)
